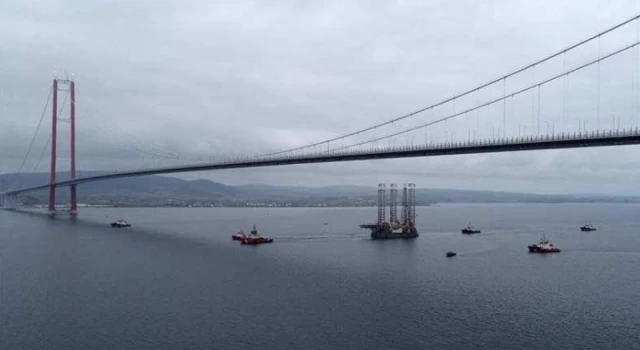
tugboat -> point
(587, 228)
(253, 238)
(238, 236)
(120, 223)
(451, 254)
(470, 230)
(543, 247)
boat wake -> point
(320, 238)
(606, 251)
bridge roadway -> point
(529, 143)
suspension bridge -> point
(585, 95)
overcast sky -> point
(211, 78)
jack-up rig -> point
(405, 227)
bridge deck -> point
(578, 140)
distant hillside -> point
(159, 190)
(290, 192)
(144, 189)
(428, 195)
(143, 185)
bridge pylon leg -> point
(72, 116)
(73, 210)
(54, 129)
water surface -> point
(176, 280)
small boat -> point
(470, 230)
(451, 254)
(543, 247)
(238, 236)
(587, 228)
(120, 223)
(253, 238)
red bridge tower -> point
(73, 210)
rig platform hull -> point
(385, 232)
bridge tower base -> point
(9, 202)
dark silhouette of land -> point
(169, 191)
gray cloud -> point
(204, 78)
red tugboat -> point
(239, 236)
(254, 238)
(543, 247)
